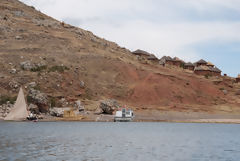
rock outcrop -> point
(38, 98)
(79, 106)
(5, 109)
(27, 65)
(33, 109)
(108, 106)
(58, 112)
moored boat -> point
(124, 115)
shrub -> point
(30, 99)
(5, 99)
(182, 65)
(53, 102)
(206, 76)
(37, 87)
(60, 69)
(39, 68)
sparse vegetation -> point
(39, 68)
(221, 89)
(88, 94)
(182, 65)
(5, 99)
(29, 99)
(37, 87)
(207, 76)
(53, 102)
(59, 69)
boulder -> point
(13, 84)
(47, 23)
(32, 84)
(18, 13)
(108, 106)
(38, 98)
(13, 71)
(18, 37)
(98, 111)
(63, 102)
(58, 112)
(33, 109)
(82, 84)
(79, 106)
(27, 65)
(5, 109)
(225, 92)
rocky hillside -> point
(56, 62)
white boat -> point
(124, 115)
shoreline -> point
(152, 116)
(200, 121)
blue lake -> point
(119, 141)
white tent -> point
(19, 111)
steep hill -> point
(74, 64)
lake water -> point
(119, 141)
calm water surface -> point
(119, 141)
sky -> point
(188, 29)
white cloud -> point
(168, 39)
(163, 27)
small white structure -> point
(125, 115)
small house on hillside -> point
(215, 71)
(209, 64)
(153, 58)
(162, 62)
(238, 79)
(202, 70)
(141, 53)
(206, 70)
(166, 60)
(189, 66)
(201, 63)
(177, 62)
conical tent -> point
(19, 111)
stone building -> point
(153, 58)
(215, 71)
(166, 60)
(189, 66)
(177, 62)
(202, 70)
(141, 53)
(207, 71)
(201, 63)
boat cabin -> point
(124, 115)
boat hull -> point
(123, 119)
